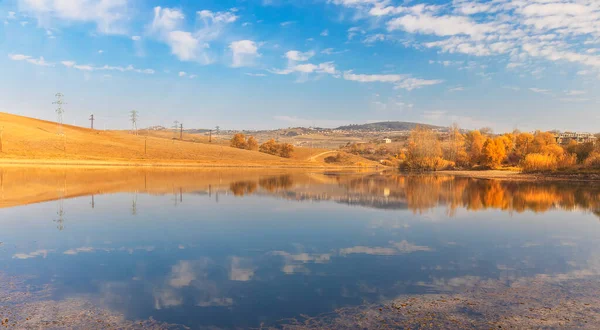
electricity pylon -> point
(59, 111)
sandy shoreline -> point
(511, 175)
(519, 176)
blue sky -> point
(255, 64)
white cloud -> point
(523, 31)
(109, 16)
(368, 78)
(331, 51)
(288, 23)
(416, 83)
(294, 55)
(400, 81)
(11, 15)
(89, 68)
(190, 45)
(100, 51)
(166, 19)
(244, 53)
(325, 33)
(136, 38)
(182, 74)
(184, 45)
(539, 90)
(438, 25)
(256, 74)
(513, 65)
(575, 92)
(456, 89)
(308, 68)
(387, 10)
(374, 38)
(18, 57)
(218, 17)
(35, 61)
(354, 31)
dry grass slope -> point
(29, 140)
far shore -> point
(520, 176)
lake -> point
(225, 248)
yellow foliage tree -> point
(494, 152)
(542, 140)
(239, 141)
(270, 147)
(252, 144)
(474, 144)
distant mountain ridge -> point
(387, 126)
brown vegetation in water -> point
(528, 303)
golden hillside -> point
(28, 140)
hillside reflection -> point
(385, 190)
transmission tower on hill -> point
(134, 118)
(59, 111)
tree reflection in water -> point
(420, 193)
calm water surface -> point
(240, 248)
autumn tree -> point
(286, 150)
(251, 143)
(474, 144)
(493, 152)
(523, 145)
(239, 141)
(508, 140)
(424, 149)
(541, 140)
(582, 150)
(273, 148)
(269, 147)
(454, 148)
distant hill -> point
(387, 126)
